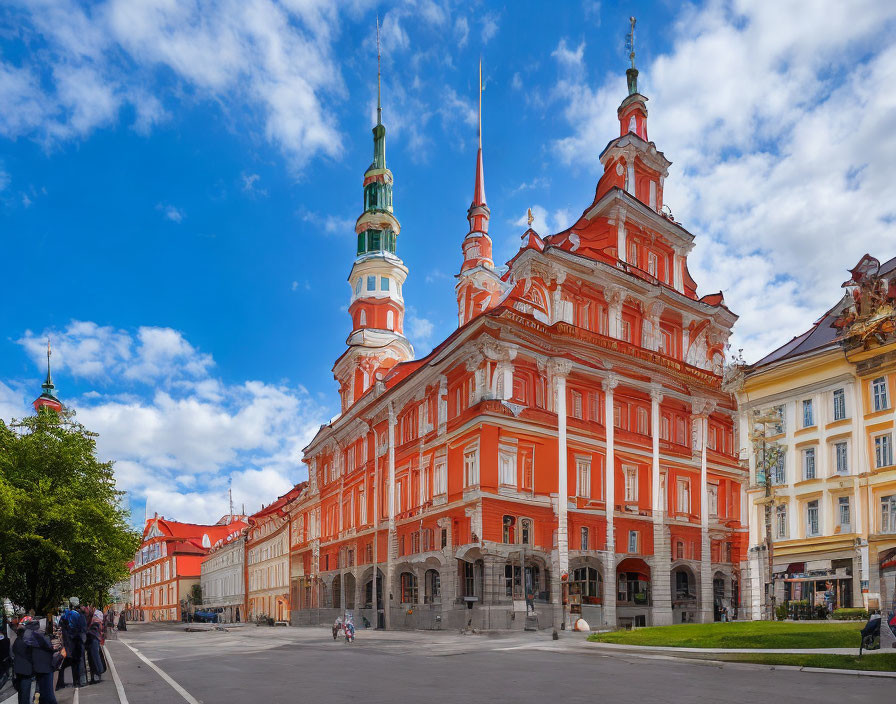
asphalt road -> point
(287, 665)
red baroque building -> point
(567, 450)
(168, 564)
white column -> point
(609, 609)
(662, 557)
(706, 605)
(562, 478)
(390, 548)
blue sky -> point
(179, 183)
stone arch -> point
(350, 584)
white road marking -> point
(77, 696)
(164, 675)
(122, 697)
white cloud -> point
(270, 59)
(249, 181)
(419, 331)
(462, 30)
(171, 213)
(783, 147)
(544, 222)
(570, 57)
(177, 433)
(330, 224)
(490, 26)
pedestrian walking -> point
(94, 640)
(74, 636)
(23, 671)
(42, 661)
(122, 622)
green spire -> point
(379, 132)
(48, 386)
(632, 73)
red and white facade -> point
(569, 445)
(169, 563)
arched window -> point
(358, 287)
(526, 537)
(632, 124)
(362, 319)
(679, 549)
(508, 534)
(408, 588)
(390, 320)
(432, 587)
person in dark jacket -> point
(94, 640)
(42, 652)
(122, 622)
(74, 635)
(22, 668)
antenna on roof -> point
(230, 496)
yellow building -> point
(831, 393)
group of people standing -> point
(71, 640)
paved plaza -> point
(166, 664)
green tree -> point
(63, 528)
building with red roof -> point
(168, 564)
(267, 560)
(568, 450)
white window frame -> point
(813, 530)
(507, 467)
(810, 464)
(630, 473)
(844, 506)
(712, 499)
(781, 521)
(682, 488)
(845, 456)
(583, 477)
(808, 413)
(471, 467)
(883, 450)
(880, 394)
(838, 404)
(888, 514)
(633, 542)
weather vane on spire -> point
(630, 41)
(480, 102)
(379, 106)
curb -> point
(651, 652)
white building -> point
(223, 579)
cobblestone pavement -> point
(247, 664)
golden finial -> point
(531, 218)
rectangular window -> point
(812, 518)
(384, 283)
(471, 468)
(575, 404)
(841, 458)
(808, 415)
(781, 521)
(633, 253)
(879, 393)
(778, 470)
(631, 482)
(651, 256)
(779, 427)
(843, 514)
(440, 481)
(633, 541)
(643, 422)
(527, 470)
(626, 330)
(888, 514)
(371, 283)
(507, 468)
(583, 543)
(809, 463)
(883, 450)
(683, 496)
(712, 492)
(583, 478)
(398, 497)
(839, 404)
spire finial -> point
(379, 105)
(480, 102)
(48, 384)
(631, 41)
(530, 217)
(631, 74)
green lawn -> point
(744, 634)
(885, 662)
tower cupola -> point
(47, 401)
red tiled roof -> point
(279, 503)
(194, 531)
